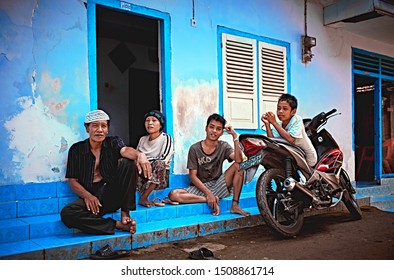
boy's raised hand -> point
(268, 117)
(230, 130)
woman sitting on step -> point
(158, 146)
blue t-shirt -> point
(296, 129)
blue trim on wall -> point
(92, 54)
(353, 110)
(378, 130)
(165, 27)
(220, 68)
(165, 30)
(165, 48)
(220, 31)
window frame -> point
(261, 100)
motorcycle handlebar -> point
(331, 112)
(319, 120)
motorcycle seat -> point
(284, 142)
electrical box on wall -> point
(307, 44)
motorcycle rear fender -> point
(249, 174)
(250, 166)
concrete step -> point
(381, 196)
(383, 202)
(43, 227)
(80, 245)
(46, 237)
(75, 245)
(376, 190)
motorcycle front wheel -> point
(270, 193)
(348, 198)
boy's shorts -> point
(217, 187)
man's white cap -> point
(96, 115)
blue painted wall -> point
(44, 77)
(44, 83)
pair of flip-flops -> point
(202, 254)
(166, 200)
(162, 202)
(158, 202)
(107, 253)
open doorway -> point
(387, 127)
(364, 128)
(128, 70)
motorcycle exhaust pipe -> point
(291, 184)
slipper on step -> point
(157, 201)
(107, 253)
(166, 200)
(202, 254)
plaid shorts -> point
(217, 187)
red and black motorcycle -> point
(288, 186)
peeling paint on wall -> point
(50, 89)
(44, 83)
(39, 142)
(193, 101)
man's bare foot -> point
(130, 226)
(235, 209)
(145, 202)
(126, 223)
(216, 208)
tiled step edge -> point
(377, 190)
(383, 202)
(80, 246)
(21, 229)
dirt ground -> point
(330, 236)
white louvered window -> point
(239, 77)
(273, 75)
(254, 73)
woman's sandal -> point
(158, 202)
(166, 200)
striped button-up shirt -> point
(81, 161)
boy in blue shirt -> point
(290, 126)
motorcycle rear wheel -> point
(269, 190)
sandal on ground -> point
(166, 200)
(146, 205)
(202, 254)
(107, 253)
(157, 201)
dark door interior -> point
(128, 70)
(143, 85)
(364, 128)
